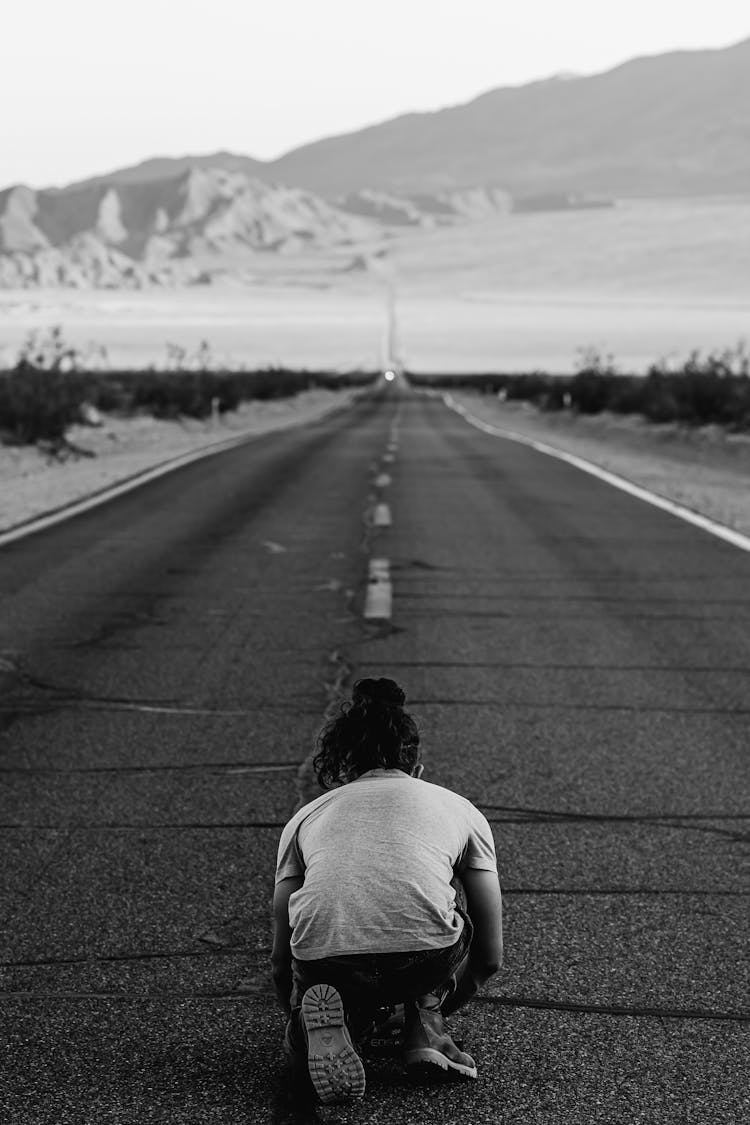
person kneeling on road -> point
(386, 893)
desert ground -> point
(642, 281)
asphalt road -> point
(579, 664)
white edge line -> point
(111, 492)
(736, 538)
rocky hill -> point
(673, 124)
(197, 225)
(425, 208)
(159, 231)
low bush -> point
(38, 404)
(46, 393)
(192, 394)
(711, 389)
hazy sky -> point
(90, 85)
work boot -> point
(427, 1042)
(335, 1068)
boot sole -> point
(429, 1057)
(335, 1068)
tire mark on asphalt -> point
(263, 992)
(671, 821)
(528, 577)
(243, 826)
(149, 826)
(522, 704)
(508, 616)
(43, 707)
(54, 695)
(490, 578)
(621, 892)
(607, 818)
(92, 960)
(615, 1009)
(568, 599)
(15, 709)
(542, 666)
(218, 767)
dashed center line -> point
(379, 600)
(379, 570)
(382, 516)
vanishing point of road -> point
(579, 663)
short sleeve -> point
(479, 850)
(289, 861)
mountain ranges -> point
(669, 125)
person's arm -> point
(485, 909)
(281, 954)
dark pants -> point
(368, 982)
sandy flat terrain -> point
(705, 469)
(295, 326)
(511, 292)
(32, 483)
(474, 328)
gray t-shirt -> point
(378, 856)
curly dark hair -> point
(370, 732)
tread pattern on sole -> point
(336, 1070)
(428, 1057)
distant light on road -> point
(390, 376)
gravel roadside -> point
(705, 468)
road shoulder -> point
(704, 469)
(33, 484)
